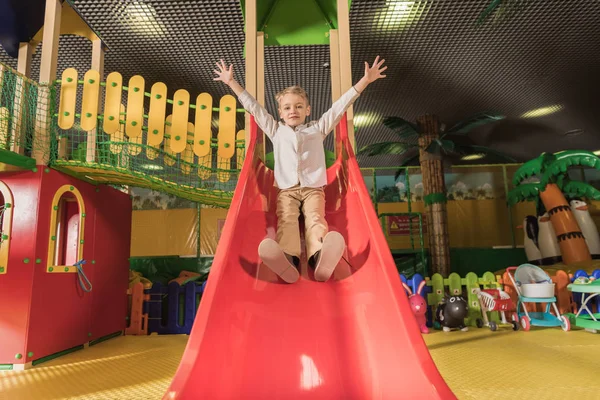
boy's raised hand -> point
(224, 74)
(373, 73)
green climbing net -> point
(24, 114)
(29, 128)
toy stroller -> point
(496, 300)
(533, 285)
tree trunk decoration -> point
(552, 190)
(570, 239)
(434, 191)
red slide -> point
(353, 337)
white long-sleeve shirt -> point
(299, 153)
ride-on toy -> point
(533, 285)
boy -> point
(300, 174)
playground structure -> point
(54, 221)
(34, 128)
(102, 140)
(68, 150)
(163, 150)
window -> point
(65, 246)
(6, 207)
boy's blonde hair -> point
(294, 90)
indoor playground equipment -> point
(589, 289)
(247, 312)
(534, 285)
(553, 183)
(54, 303)
(255, 334)
(496, 300)
(369, 342)
(66, 161)
(588, 226)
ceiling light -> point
(472, 157)
(401, 9)
(141, 18)
(573, 132)
(400, 13)
(540, 112)
(152, 167)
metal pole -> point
(375, 201)
(510, 221)
(198, 251)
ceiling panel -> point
(530, 54)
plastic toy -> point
(451, 313)
(418, 305)
(496, 300)
(185, 277)
(589, 289)
(587, 225)
(531, 230)
(533, 285)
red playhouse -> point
(50, 223)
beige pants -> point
(311, 202)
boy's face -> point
(293, 109)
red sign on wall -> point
(400, 225)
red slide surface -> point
(353, 337)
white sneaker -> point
(329, 256)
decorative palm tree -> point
(551, 171)
(425, 137)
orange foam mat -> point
(542, 364)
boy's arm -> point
(331, 118)
(264, 120)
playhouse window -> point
(66, 230)
(6, 208)
(2, 210)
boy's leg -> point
(288, 227)
(315, 225)
(283, 256)
(324, 248)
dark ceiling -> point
(527, 55)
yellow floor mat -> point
(544, 363)
(479, 364)
(123, 368)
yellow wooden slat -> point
(226, 136)
(151, 153)
(203, 132)
(135, 107)
(89, 103)
(188, 153)
(112, 103)
(135, 147)
(240, 152)
(119, 135)
(68, 97)
(206, 163)
(181, 112)
(156, 115)
(223, 163)
(169, 156)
